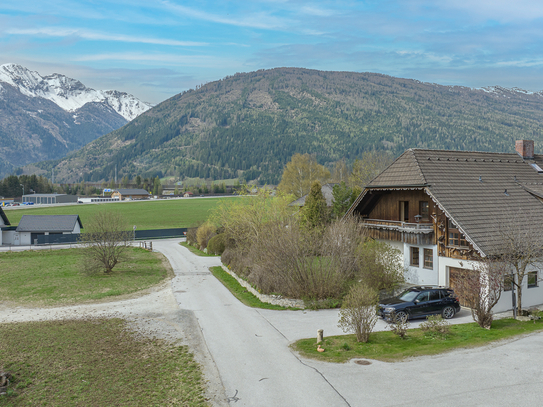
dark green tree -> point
(315, 212)
(344, 197)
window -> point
(532, 279)
(415, 256)
(455, 237)
(422, 297)
(424, 210)
(428, 259)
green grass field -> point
(159, 214)
(388, 347)
(53, 277)
(95, 362)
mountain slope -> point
(251, 124)
(46, 117)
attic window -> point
(537, 168)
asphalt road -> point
(250, 348)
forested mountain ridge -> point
(250, 124)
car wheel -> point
(401, 316)
(448, 312)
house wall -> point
(421, 275)
(388, 206)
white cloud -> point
(100, 36)
(260, 20)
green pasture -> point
(153, 214)
(53, 277)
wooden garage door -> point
(455, 274)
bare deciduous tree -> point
(480, 288)
(105, 238)
(520, 247)
(358, 312)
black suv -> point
(419, 302)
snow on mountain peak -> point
(69, 94)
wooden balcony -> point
(411, 233)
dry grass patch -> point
(95, 362)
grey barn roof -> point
(132, 191)
(48, 223)
(326, 190)
(478, 191)
(4, 217)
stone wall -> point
(270, 299)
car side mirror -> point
(416, 301)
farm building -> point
(32, 229)
(128, 194)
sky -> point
(155, 49)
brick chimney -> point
(525, 148)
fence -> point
(138, 235)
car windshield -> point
(408, 295)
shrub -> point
(398, 326)
(358, 312)
(191, 236)
(216, 244)
(435, 326)
(205, 232)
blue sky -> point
(155, 49)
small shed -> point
(130, 193)
(32, 226)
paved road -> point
(257, 368)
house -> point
(442, 209)
(129, 194)
(49, 198)
(327, 191)
(188, 194)
(33, 228)
(4, 224)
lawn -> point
(153, 214)
(53, 277)
(196, 251)
(387, 347)
(240, 292)
(95, 362)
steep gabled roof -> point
(4, 217)
(405, 170)
(327, 191)
(478, 191)
(48, 223)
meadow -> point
(152, 214)
(53, 277)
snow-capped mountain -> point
(46, 117)
(67, 93)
